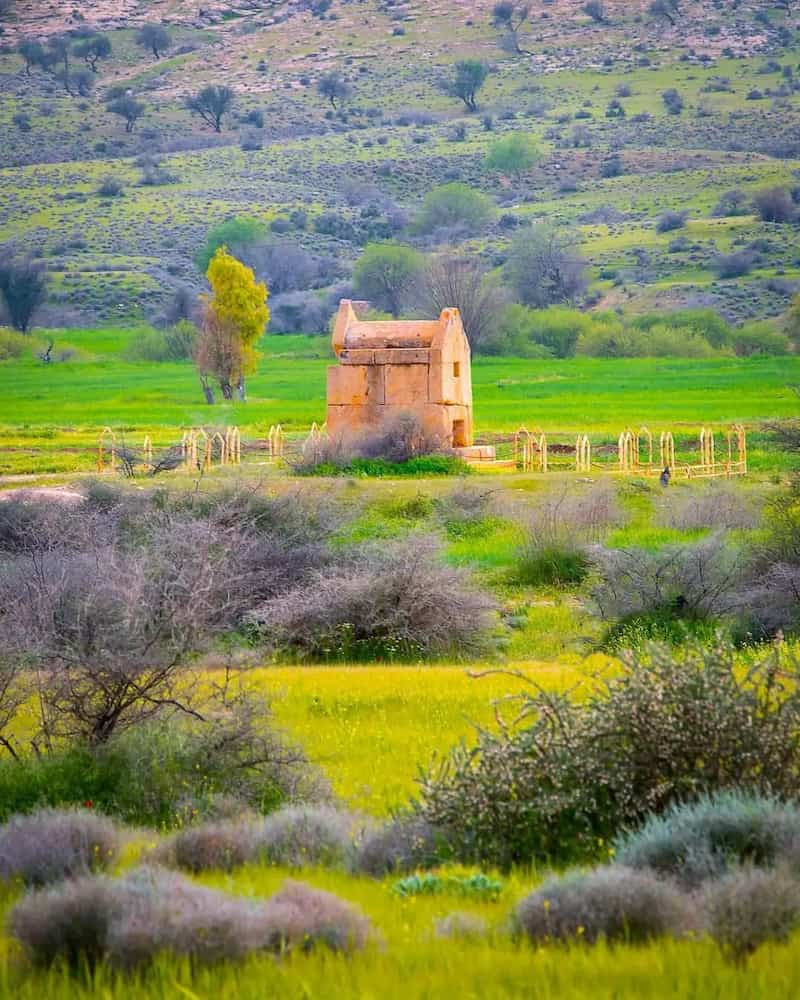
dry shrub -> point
(130, 921)
(751, 907)
(400, 600)
(401, 845)
(319, 918)
(294, 836)
(716, 506)
(698, 581)
(306, 835)
(613, 903)
(461, 926)
(770, 600)
(222, 845)
(51, 845)
(697, 841)
(70, 922)
(398, 438)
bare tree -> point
(109, 626)
(154, 37)
(211, 104)
(23, 285)
(511, 17)
(545, 267)
(448, 281)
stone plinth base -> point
(477, 453)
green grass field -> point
(50, 416)
(369, 728)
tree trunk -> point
(241, 390)
(227, 390)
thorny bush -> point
(571, 772)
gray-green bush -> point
(697, 841)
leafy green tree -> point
(514, 154)
(470, 75)
(128, 108)
(154, 37)
(238, 234)
(454, 206)
(32, 53)
(93, 49)
(212, 103)
(384, 273)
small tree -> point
(384, 273)
(55, 59)
(235, 315)
(212, 104)
(775, 205)
(545, 268)
(668, 9)
(514, 154)
(32, 53)
(454, 206)
(128, 108)
(673, 101)
(511, 17)
(93, 49)
(792, 324)
(23, 285)
(596, 10)
(333, 87)
(154, 37)
(240, 234)
(449, 281)
(470, 76)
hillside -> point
(338, 177)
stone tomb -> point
(391, 367)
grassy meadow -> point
(51, 416)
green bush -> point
(556, 565)
(384, 272)
(423, 465)
(156, 775)
(659, 340)
(236, 233)
(476, 886)
(513, 154)
(760, 338)
(175, 343)
(454, 206)
(552, 332)
(13, 345)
